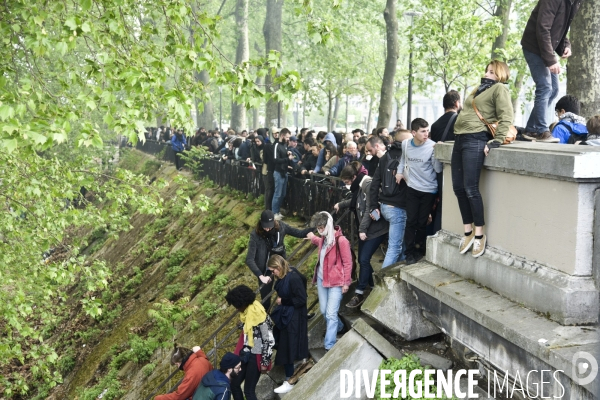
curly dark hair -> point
(240, 297)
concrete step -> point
(500, 332)
(317, 353)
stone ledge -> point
(553, 161)
(567, 299)
(489, 319)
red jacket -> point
(195, 368)
(335, 272)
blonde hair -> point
(501, 70)
(279, 263)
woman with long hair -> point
(265, 240)
(333, 272)
(255, 344)
(473, 143)
(371, 233)
(292, 324)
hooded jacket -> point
(217, 382)
(178, 144)
(337, 265)
(195, 368)
(569, 123)
(321, 160)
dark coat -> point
(293, 339)
(366, 225)
(547, 28)
(377, 197)
(258, 247)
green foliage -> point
(150, 167)
(172, 272)
(209, 309)
(167, 316)
(240, 244)
(230, 221)
(158, 225)
(148, 369)
(214, 217)
(290, 242)
(260, 200)
(173, 291)
(249, 210)
(158, 254)
(66, 362)
(206, 273)
(177, 257)
(109, 386)
(134, 281)
(219, 284)
(408, 363)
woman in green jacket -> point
(473, 142)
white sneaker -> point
(278, 217)
(285, 388)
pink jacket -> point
(335, 272)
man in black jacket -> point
(282, 160)
(389, 202)
(546, 34)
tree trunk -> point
(387, 86)
(255, 122)
(336, 111)
(503, 13)
(368, 127)
(518, 85)
(329, 110)
(242, 54)
(272, 34)
(206, 118)
(583, 74)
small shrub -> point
(219, 284)
(148, 369)
(109, 387)
(209, 309)
(207, 272)
(177, 257)
(214, 217)
(173, 292)
(249, 210)
(150, 167)
(240, 244)
(229, 221)
(290, 242)
(134, 281)
(194, 325)
(260, 200)
(66, 363)
(172, 272)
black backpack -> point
(574, 137)
(389, 187)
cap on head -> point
(229, 360)
(293, 138)
(267, 219)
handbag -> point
(282, 315)
(511, 136)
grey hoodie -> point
(422, 166)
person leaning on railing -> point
(195, 364)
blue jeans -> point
(366, 249)
(546, 90)
(280, 190)
(329, 304)
(397, 218)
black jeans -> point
(177, 159)
(249, 375)
(467, 161)
(366, 249)
(418, 208)
(269, 189)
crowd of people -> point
(395, 183)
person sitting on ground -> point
(333, 272)
(350, 155)
(570, 127)
(291, 323)
(371, 233)
(593, 136)
(215, 384)
(418, 158)
(265, 240)
(255, 344)
(195, 366)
